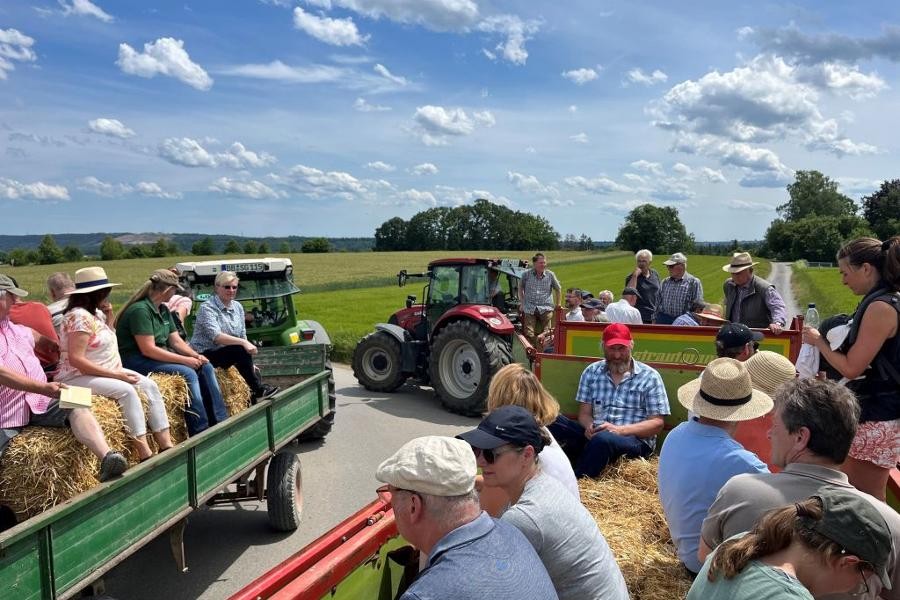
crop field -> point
(349, 292)
(823, 286)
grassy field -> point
(349, 292)
(823, 286)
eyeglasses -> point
(228, 287)
(863, 588)
(385, 493)
(492, 454)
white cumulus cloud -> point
(337, 32)
(144, 188)
(322, 184)
(382, 166)
(419, 197)
(529, 184)
(517, 32)
(185, 152)
(424, 169)
(111, 127)
(580, 76)
(15, 46)
(85, 8)
(437, 15)
(254, 190)
(638, 76)
(436, 124)
(239, 157)
(166, 56)
(16, 190)
(597, 185)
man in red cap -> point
(622, 403)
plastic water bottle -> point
(812, 316)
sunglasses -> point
(492, 454)
(385, 493)
(229, 287)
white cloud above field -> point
(15, 47)
(96, 186)
(250, 189)
(337, 32)
(166, 56)
(110, 127)
(188, 152)
(16, 190)
(85, 8)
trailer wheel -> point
(376, 362)
(284, 495)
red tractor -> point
(455, 341)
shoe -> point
(267, 391)
(112, 465)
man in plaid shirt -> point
(623, 403)
(539, 293)
(678, 293)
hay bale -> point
(625, 503)
(235, 390)
(44, 466)
(175, 394)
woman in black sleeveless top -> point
(871, 268)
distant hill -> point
(89, 243)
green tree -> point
(426, 230)
(585, 243)
(284, 248)
(19, 257)
(391, 235)
(316, 245)
(882, 209)
(136, 251)
(813, 193)
(263, 248)
(232, 247)
(203, 247)
(250, 247)
(111, 249)
(49, 253)
(657, 228)
(812, 238)
(72, 253)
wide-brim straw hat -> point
(739, 262)
(769, 371)
(724, 392)
(712, 312)
(90, 279)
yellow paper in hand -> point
(75, 397)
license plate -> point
(244, 267)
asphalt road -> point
(780, 277)
(229, 546)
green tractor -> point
(289, 349)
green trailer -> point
(65, 550)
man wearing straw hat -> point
(813, 426)
(752, 300)
(26, 398)
(708, 315)
(721, 398)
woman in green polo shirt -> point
(149, 342)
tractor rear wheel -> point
(464, 357)
(376, 362)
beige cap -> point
(676, 259)
(724, 393)
(436, 465)
(769, 370)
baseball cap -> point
(166, 276)
(8, 284)
(586, 295)
(615, 334)
(630, 291)
(506, 425)
(732, 335)
(592, 303)
(675, 259)
(434, 464)
(854, 523)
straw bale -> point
(625, 503)
(235, 390)
(44, 466)
(175, 395)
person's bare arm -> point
(147, 345)
(642, 429)
(879, 323)
(586, 418)
(633, 282)
(15, 381)
(182, 347)
(77, 346)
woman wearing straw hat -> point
(830, 543)
(720, 399)
(90, 358)
(149, 342)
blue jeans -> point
(207, 407)
(590, 457)
(664, 319)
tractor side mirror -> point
(402, 277)
(410, 300)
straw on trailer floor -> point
(625, 503)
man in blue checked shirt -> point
(622, 406)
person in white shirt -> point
(573, 304)
(624, 310)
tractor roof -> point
(511, 266)
(238, 265)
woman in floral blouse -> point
(90, 358)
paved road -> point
(780, 277)
(229, 546)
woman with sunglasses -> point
(514, 385)
(220, 334)
(830, 543)
(507, 444)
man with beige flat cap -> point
(752, 300)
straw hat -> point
(90, 279)
(724, 393)
(712, 312)
(769, 370)
(739, 262)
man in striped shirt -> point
(678, 293)
(539, 293)
(26, 398)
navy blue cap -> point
(506, 425)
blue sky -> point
(328, 117)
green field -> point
(823, 286)
(350, 292)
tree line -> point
(49, 252)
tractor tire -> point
(376, 362)
(464, 357)
(324, 426)
(284, 493)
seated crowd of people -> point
(496, 512)
(78, 340)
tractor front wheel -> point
(376, 362)
(464, 357)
